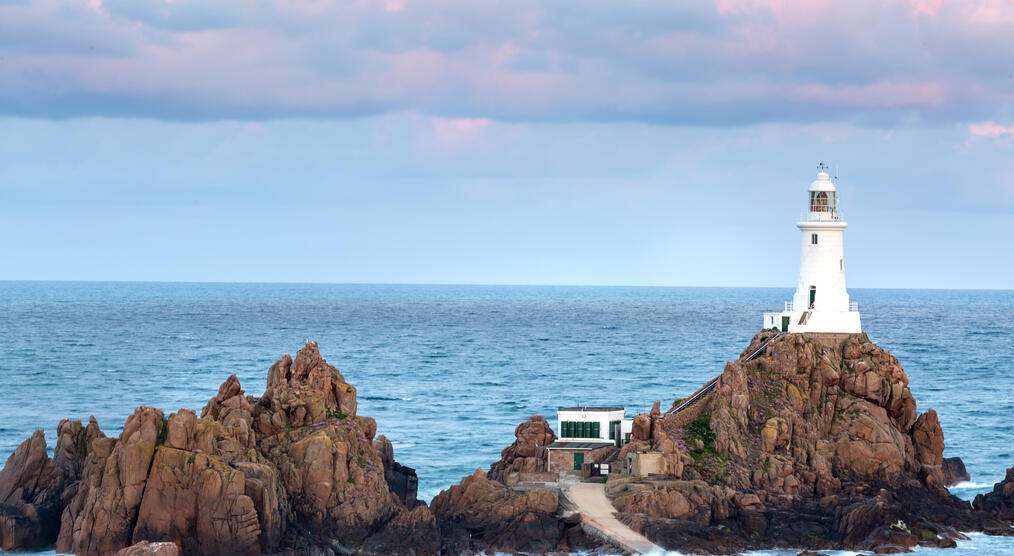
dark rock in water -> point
(33, 487)
(954, 471)
(999, 502)
(293, 470)
(30, 490)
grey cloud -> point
(681, 63)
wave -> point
(966, 485)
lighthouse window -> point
(813, 239)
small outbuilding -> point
(587, 435)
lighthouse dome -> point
(822, 183)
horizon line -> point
(465, 284)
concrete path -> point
(597, 514)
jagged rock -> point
(641, 427)
(402, 480)
(480, 514)
(30, 488)
(145, 548)
(775, 434)
(107, 509)
(409, 533)
(34, 488)
(294, 470)
(820, 432)
(928, 437)
(199, 501)
(1000, 501)
(181, 429)
(694, 501)
(656, 410)
(954, 471)
(528, 452)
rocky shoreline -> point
(817, 444)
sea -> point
(449, 371)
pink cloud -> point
(990, 129)
(928, 7)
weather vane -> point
(822, 167)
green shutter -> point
(595, 430)
(565, 429)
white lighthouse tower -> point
(821, 303)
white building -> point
(586, 424)
(821, 303)
(586, 435)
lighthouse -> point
(821, 303)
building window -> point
(813, 239)
(819, 201)
(612, 429)
(579, 429)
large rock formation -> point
(482, 515)
(815, 444)
(527, 453)
(293, 469)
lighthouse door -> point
(813, 295)
(785, 324)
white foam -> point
(964, 485)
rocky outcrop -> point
(528, 453)
(410, 533)
(821, 432)
(33, 487)
(479, 514)
(954, 471)
(294, 468)
(402, 480)
(1000, 501)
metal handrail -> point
(853, 307)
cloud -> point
(991, 130)
(702, 63)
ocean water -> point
(449, 371)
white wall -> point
(601, 417)
(822, 265)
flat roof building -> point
(586, 434)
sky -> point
(567, 142)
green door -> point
(785, 324)
(813, 295)
(578, 461)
